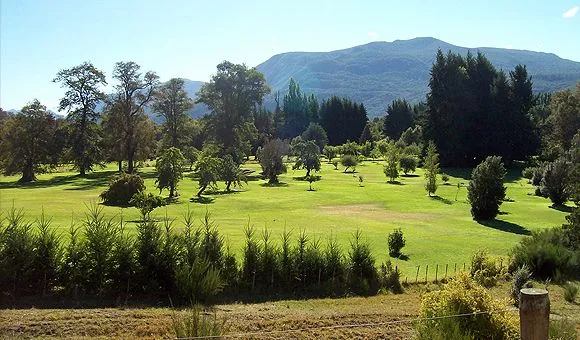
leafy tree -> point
(329, 152)
(146, 203)
(315, 132)
(172, 103)
(349, 161)
(412, 136)
(431, 165)
(271, 159)
(366, 135)
(133, 92)
(190, 153)
(391, 168)
(398, 119)
(231, 95)
(27, 143)
(565, 105)
(408, 163)
(83, 93)
(231, 173)
(486, 190)
(122, 188)
(308, 156)
(208, 168)
(555, 181)
(169, 168)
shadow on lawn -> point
(562, 208)
(441, 199)
(202, 200)
(508, 227)
(274, 185)
(90, 181)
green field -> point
(438, 230)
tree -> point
(208, 168)
(396, 242)
(133, 92)
(342, 119)
(408, 163)
(231, 173)
(349, 161)
(83, 93)
(486, 190)
(329, 152)
(565, 107)
(169, 168)
(398, 119)
(271, 159)
(172, 103)
(366, 135)
(315, 132)
(231, 95)
(431, 165)
(296, 110)
(27, 143)
(391, 168)
(308, 156)
(555, 181)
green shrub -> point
(528, 173)
(47, 256)
(445, 178)
(556, 180)
(146, 203)
(519, 279)
(547, 255)
(408, 163)
(462, 295)
(484, 270)
(122, 188)
(390, 278)
(486, 190)
(349, 162)
(396, 242)
(73, 270)
(196, 323)
(570, 292)
(362, 271)
(149, 244)
(199, 281)
(537, 175)
(335, 163)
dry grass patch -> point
(374, 211)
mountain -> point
(379, 72)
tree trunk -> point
(120, 166)
(201, 190)
(171, 191)
(307, 172)
(82, 171)
(228, 184)
(130, 165)
(28, 174)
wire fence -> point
(360, 325)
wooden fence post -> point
(534, 314)
(446, 271)
(436, 272)
(426, 271)
(417, 275)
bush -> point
(122, 188)
(408, 163)
(194, 323)
(570, 292)
(349, 161)
(335, 163)
(396, 242)
(528, 173)
(146, 203)
(363, 274)
(537, 175)
(554, 183)
(486, 190)
(547, 255)
(390, 278)
(199, 281)
(445, 178)
(462, 296)
(484, 269)
(519, 279)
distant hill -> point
(379, 72)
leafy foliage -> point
(208, 168)
(486, 190)
(408, 163)
(146, 203)
(315, 132)
(431, 165)
(169, 167)
(396, 242)
(555, 181)
(308, 156)
(122, 188)
(231, 173)
(271, 159)
(349, 162)
(342, 119)
(172, 103)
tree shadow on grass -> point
(225, 192)
(395, 183)
(409, 175)
(562, 208)
(89, 181)
(303, 178)
(508, 227)
(441, 199)
(274, 185)
(202, 200)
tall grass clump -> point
(196, 323)
(570, 292)
(362, 271)
(519, 279)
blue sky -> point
(189, 38)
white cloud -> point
(571, 12)
(373, 35)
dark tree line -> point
(475, 110)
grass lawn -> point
(438, 230)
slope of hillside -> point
(378, 72)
